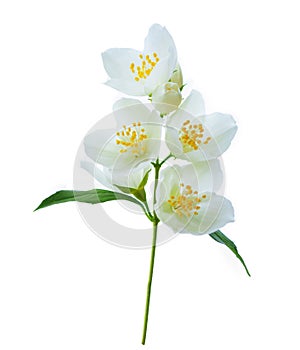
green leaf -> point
(124, 189)
(221, 238)
(139, 192)
(145, 180)
(94, 196)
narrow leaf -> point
(138, 193)
(221, 238)
(124, 189)
(93, 197)
(144, 180)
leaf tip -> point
(37, 208)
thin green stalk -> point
(168, 157)
(150, 282)
(157, 167)
(147, 211)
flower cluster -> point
(186, 198)
(170, 138)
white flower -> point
(177, 76)
(138, 73)
(186, 200)
(194, 136)
(166, 97)
(136, 139)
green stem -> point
(157, 167)
(147, 211)
(150, 281)
(168, 157)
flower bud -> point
(177, 76)
(166, 97)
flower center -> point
(131, 138)
(192, 136)
(187, 201)
(146, 66)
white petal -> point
(129, 177)
(213, 215)
(172, 141)
(127, 111)
(222, 128)
(99, 146)
(168, 186)
(117, 62)
(127, 86)
(160, 41)
(191, 107)
(159, 75)
(172, 62)
(98, 174)
(194, 104)
(204, 176)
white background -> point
(64, 288)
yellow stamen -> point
(186, 202)
(191, 136)
(144, 69)
(131, 138)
